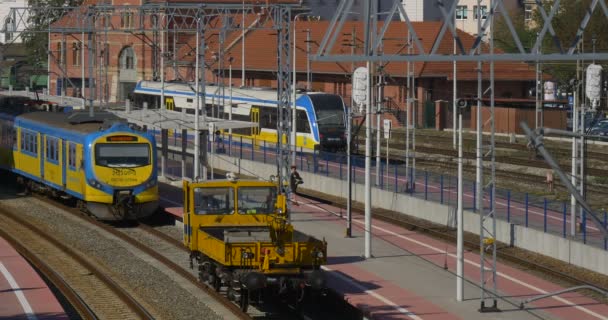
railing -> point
(525, 209)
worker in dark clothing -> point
(294, 181)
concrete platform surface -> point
(413, 276)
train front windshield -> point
(122, 155)
(329, 109)
(257, 200)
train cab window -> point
(302, 124)
(52, 149)
(72, 156)
(256, 200)
(29, 142)
(122, 155)
(214, 201)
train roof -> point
(79, 122)
(266, 94)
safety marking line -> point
(18, 292)
(374, 294)
(475, 264)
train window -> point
(72, 156)
(268, 117)
(29, 142)
(122, 155)
(214, 201)
(302, 124)
(52, 149)
(256, 200)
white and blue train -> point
(320, 117)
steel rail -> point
(64, 288)
(120, 292)
(154, 254)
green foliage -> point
(566, 23)
(41, 16)
(503, 39)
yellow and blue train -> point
(320, 117)
(106, 165)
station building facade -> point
(124, 54)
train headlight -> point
(95, 184)
(318, 254)
(151, 183)
(247, 255)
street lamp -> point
(230, 59)
(293, 88)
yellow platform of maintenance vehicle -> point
(239, 237)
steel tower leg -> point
(282, 23)
(487, 229)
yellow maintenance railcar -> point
(240, 239)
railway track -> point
(563, 155)
(541, 164)
(557, 151)
(550, 268)
(148, 250)
(87, 287)
(175, 251)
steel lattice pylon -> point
(282, 19)
(152, 23)
(462, 53)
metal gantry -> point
(462, 53)
(153, 23)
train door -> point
(255, 118)
(63, 161)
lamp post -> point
(243, 47)
(230, 89)
(293, 89)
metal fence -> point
(515, 207)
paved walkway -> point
(23, 294)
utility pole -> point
(369, 18)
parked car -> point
(600, 129)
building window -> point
(461, 13)
(9, 27)
(60, 56)
(528, 12)
(76, 52)
(483, 11)
(126, 20)
(127, 58)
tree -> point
(503, 39)
(566, 23)
(40, 17)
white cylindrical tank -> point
(593, 85)
(550, 92)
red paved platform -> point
(23, 294)
(412, 275)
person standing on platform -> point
(550, 180)
(294, 181)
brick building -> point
(125, 56)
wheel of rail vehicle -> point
(244, 301)
(299, 296)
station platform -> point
(23, 294)
(412, 276)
